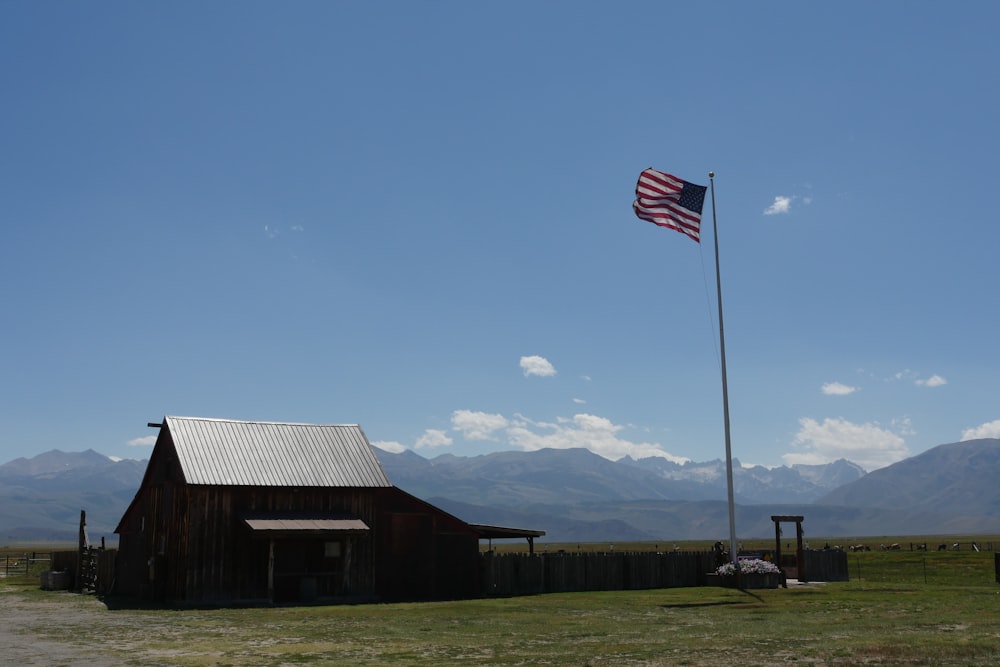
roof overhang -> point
(282, 524)
(501, 532)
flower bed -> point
(754, 573)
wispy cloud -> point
(579, 401)
(869, 445)
(907, 375)
(581, 431)
(987, 430)
(781, 205)
(272, 231)
(535, 365)
(478, 425)
(838, 389)
(390, 446)
(597, 434)
(434, 437)
(932, 381)
(144, 441)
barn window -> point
(331, 550)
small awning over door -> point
(285, 524)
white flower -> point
(748, 566)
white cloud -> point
(433, 437)
(781, 205)
(390, 446)
(597, 434)
(868, 445)
(579, 401)
(932, 381)
(477, 425)
(144, 441)
(903, 426)
(535, 365)
(987, 430)
(838, 389)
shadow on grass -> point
(701, 605)
(717, 603)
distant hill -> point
(570, 476)
(959, 479)
(574, 492)
(576, 495)
(41, 497)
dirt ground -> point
(27, 621)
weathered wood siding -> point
(188, 544)
(213, 557)
(423, 553)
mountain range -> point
(577, 496)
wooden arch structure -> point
(778, 519)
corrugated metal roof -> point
(287, 525)
(241, 453)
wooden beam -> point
(270, 571)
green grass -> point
(888, 616)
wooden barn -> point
(234, 512)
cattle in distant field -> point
(942, 547)
(860, 547)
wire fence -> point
(23, 564)
(947, 568)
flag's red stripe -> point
(666, 180)
(668, 208)
(652, 189)
(677, 228)
(666, 220)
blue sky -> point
(417, 217)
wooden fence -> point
(523, 574)
(91, 570)
(825, 565)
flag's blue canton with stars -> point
(669, 201)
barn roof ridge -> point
(256, 421)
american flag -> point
(668, 201)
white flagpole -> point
(725, 389)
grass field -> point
(907, 608)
